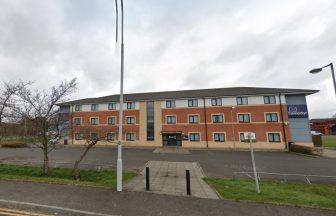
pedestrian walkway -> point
(329, 153)
(171, 150)
(170, 178)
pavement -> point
(67, 200)
(170, 178)
(215, 163)
(329, 153)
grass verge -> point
(300, 194)
(329, 141)
(103, 178)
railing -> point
(285, 175)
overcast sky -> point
(172, 44)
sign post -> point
(251, 136)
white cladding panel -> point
(104, 107)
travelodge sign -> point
(297, 111)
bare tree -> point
(40, 107)
(334, 116)
(86, 133)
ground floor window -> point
(94, 136)
(110, 136)
(219, 137)
(194, 137)
(130, 136)
(274, 137)
(78, 136)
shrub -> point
(13, 144)
(301, 149)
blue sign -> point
(297, 111)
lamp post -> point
(232, 127)
(121, 100)
(318, 70)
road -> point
(74, 200)
(215, 163)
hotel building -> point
(204, 118)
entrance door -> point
(172, 139)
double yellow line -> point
(12, 212)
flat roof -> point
(195, 93)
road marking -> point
(54, 207)
(12, 212)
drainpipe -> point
(283, 123)
(71, 122)
(206, 124)
(232, 128)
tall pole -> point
(253, 164)
(333, 75)
(121, 103)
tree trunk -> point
(76, 166)
(76, 171)
(45, 163)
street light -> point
(121, 100)
(318, 70)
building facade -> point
(205, 118)
(326, 126)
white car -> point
(316, 133)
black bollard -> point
(188, 181)
(147, 178)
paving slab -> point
(168, 177)
(171, 150)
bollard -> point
(147, 178)
(188, 181)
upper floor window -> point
(194, 137)
(271, 117)
(193, 119)
(78, 121)
(110, 136)
(130, 136)
(171, 119)
(94, 107)
(112, 106)
(111, 120)
(170, 104)
(244, 118)
(78, 107)
(217, 119)
(269, 99)
(242, 100)
(130, 105)
(94, 121)
(130, 120)
(216, 102)
(192, 103)
(274, 137)
(219, 137)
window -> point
(78, 107)
(130, 136)
(130, 120)
(194, 137)
(217, 118)
(94, 107)
(78, 121)
(94, 121)
(274, 137)
(269, 99)
(219, 137)
(110, 136)
(112, 106)
(271, 117)
(171, 119)
(111, 120)
(243, 118)
(242, 137)
(242, 100)
(150, 120)
(170, 104)
(78, 136)
(192, 103)
(216, 102)
(193, 119)
(130, 105)
(94, 136)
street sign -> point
(249, 135)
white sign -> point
(249, 135)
